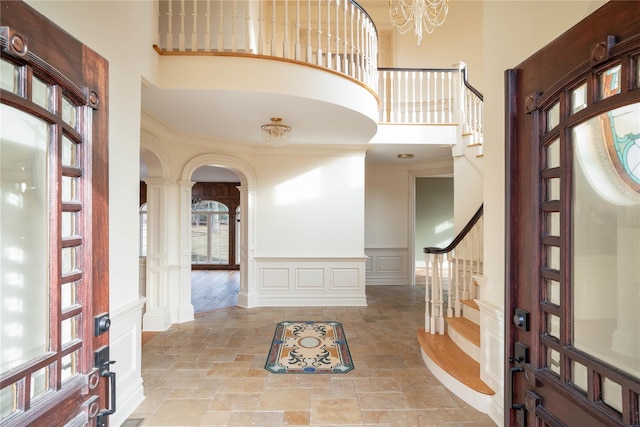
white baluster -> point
(286, 49)
(405, 110)
(181, 35)
(413, 97)
(248, 40)
(234, 27)
(338, 66)
(194, 30)
(450, 287)
(383, 91)
(169, 38)
(451, 98)
(429, 99)
(345, 40)
(221, 27)
(352, 59)
(358, 46)
(207, 32)
(309, 48)
(392, 97)
(443, 96)
(298, 45)
(329, 59)
(319, 50)
(273, 28)
(420, 105)
(458, 255)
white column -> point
(248, 295)
(157, 314)
(183, 223)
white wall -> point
(512, 31)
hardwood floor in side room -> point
(214, 289)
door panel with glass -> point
(53, 220)
(573, 227)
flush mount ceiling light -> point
(418, 15)
(275, 133)
(405, 156)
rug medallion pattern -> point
(309, 348)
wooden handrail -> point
(467, 228)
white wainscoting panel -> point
(492, 355)
(311, 282)
(388, 266)
(125, 347)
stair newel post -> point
(451, 295)
(428, 272)
(440, 300)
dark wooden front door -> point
(54, 299)
(573, 226)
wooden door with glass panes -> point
(54, 354)
(573, 227)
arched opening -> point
(215, 234)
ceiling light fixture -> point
(418, 15)
(405, 156)
(275, 133)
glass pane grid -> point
(8, 400)
(553, 116)
(69, 365)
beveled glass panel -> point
(553, 326)
(39, 382)
(579, 98)
(553, 291)
(612, 394)
(8, 400)
(9, 77)
(553, 154)
(553, 361)
(609, 82)
(69, 259)
(69, 153)
(553, 116)
(41, 93)
(69, 295)
(69, 224)
(553, 257)
(579, 376)
(553, 189)
(24, 246)
(69, 366)
(552, 223)
(69, 189)
(69, 113)
(69, 330)
(605, 250)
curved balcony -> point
(336, 35)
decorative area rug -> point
(309, 348)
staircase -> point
(450, 341)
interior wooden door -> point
(573, 226)
(54, 354)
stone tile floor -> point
(210, 372)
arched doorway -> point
(215, 238)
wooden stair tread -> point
(471, 303)
(465, 327)
(446, 354)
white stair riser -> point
(471, 313)
(465, 345)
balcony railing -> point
(334, 34)
(337, 35)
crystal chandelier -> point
(275, 133)
(418, 15)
